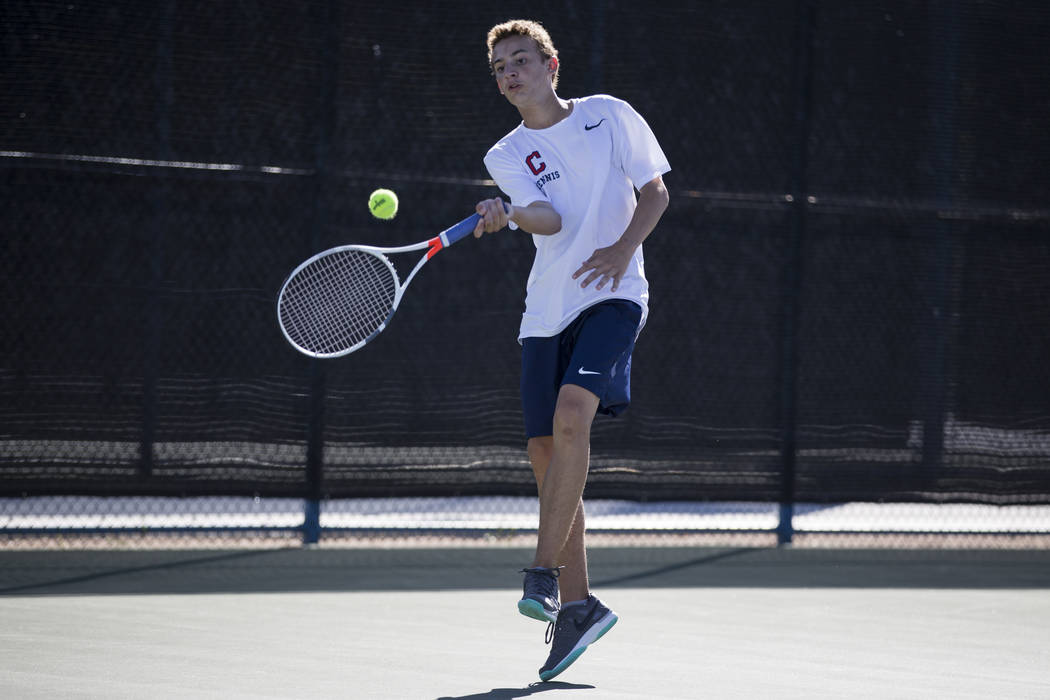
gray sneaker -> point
(578, 626)
(540, 594)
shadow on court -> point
(508, 693)
(335, 570)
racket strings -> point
(338, 301)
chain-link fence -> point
(848, 289)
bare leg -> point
(573, 582)
(562, 487)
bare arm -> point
(539, 217)
(609, 264)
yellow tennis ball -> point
(383, 204)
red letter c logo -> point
(536, 170)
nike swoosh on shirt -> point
(588, 127)
(585, 371)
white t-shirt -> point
(587, 166)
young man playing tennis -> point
(570, 170)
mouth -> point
(513, 86)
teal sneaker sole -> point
(531, 608)
(575, 653)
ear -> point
(553, 65)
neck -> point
(546, 113)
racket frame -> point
(432, 246)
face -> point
(523, 75)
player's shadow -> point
(507, 693)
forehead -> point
(505, 48)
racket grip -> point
(463, 228)
(460, 230)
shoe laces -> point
(547, 581)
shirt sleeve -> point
(637, 151)
(511, 178)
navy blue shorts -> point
(593, 352)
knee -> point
(572, 420)
(540, 451)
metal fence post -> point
(803, 62)
(329, 22)
(935, 347)
(155, 297)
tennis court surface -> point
(696, 622)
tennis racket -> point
(339, 300)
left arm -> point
(610, 263)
